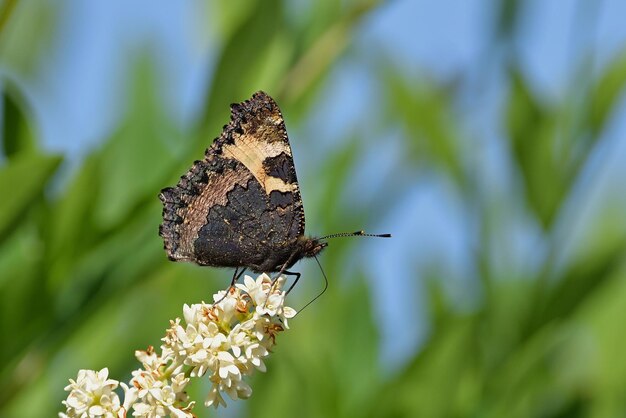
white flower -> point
(227, 368)
(256, 289)
(214, 398)
(92, 395)
(191, 314)
(240, 336)
(236, 390)
(179, 382)
(150, 360)
(228, 306)
(158, 398)
(130, 397)
(203, 350)
(255, 353)
(287, 313)
(272, 305)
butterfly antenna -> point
(356, 234)
(321, 293)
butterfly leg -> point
(280, 273)
(236, 277)
(291, 273)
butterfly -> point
(240, 206)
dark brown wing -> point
(241, 204)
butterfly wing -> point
(240, 206)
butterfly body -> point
(240, 206)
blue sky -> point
(83, 83)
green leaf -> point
(579, 282)
(27, 31)
(238, 63)
(433, 383)
(70, 230)
(17, 133)
(607, 93)
(22, 181)
(506, 20)
(592, 360)
(532, 130)
(135, 164)
(425, 112)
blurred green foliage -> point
(84, 281)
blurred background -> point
(488, 136)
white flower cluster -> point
(91, 395)
(225, 340)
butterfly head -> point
(312, 246)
